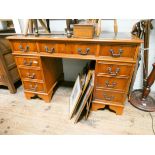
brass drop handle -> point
(113, 85)
(113, 73)
(26, 49)
(120, 51)
(22, 49)
(49, 51)
(27, 64)
(33, 88)
(108, 98)
(83, 53)
(35, 62)
(31, 76)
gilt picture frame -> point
(75, 95)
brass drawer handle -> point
(113, 73)
(31, 76)
(83, 53)
(116, 55)
(26, 63)
(33, 88)
(108, 98)
(24, 50)
(113, 85)
(21, 47)
(35, 62)
(49, 51)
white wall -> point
(72, 67)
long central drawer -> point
(68, 48)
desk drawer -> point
(81, 49)
(114, 69)
(33, 86)
(28, 61)
(31, 74)
(119, 84)
(24, 46)
(110, 96)
(51, 47)
(118, 51)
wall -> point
(72, 67)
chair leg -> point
(115, 26)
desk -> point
(40, 65)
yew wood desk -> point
(39, 61)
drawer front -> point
(114, 69)
(81, 49)
(24, 46)
(119, 84)
(118, 51)
(33, 86)
(30, 74)
(28, 61)
(110, 96)
(51, 47)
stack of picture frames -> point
(82, 93)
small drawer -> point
(32, 74)
(81, 49)
(118, 51)
(114, 69)
(24, 46)
(51, 47)
(28, 61)
(119, 84)
(33, 86)
(110, 96)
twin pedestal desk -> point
(39, 62)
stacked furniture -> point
(39, 61)
(8, 69)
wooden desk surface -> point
(104, 37)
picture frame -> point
(85, 98)
(75, 95)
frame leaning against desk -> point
(39, 61)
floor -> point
(19, 116)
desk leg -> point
(28, 95)
(96, 106)
(117, 109)
(46, 98)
